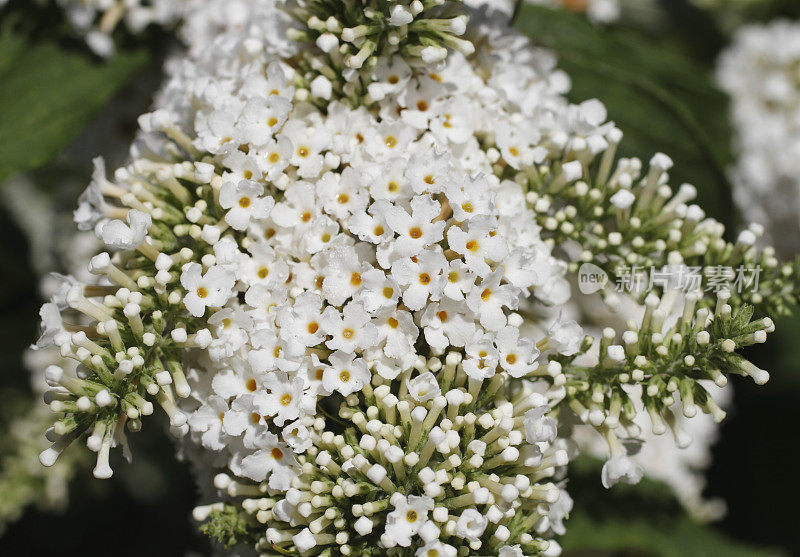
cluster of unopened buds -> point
(334, 262)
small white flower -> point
(297, 436)
(207, 420)
(565, 336)
(482, 357)
(210, 290)
(342, 194)
(417, 230)
(272, 458)
(436, 549)
(244, 202)
(378, 292)
(116, 234)
(303, 320)
(345, 374)
(510, 551)
(299, 207)
(343, 275)
(517, 355)
(421, 278)
(423, 387)
(349, 330)
(282, 398)
(478, 244)
(92, 205)
(538, 427)
(397, 332)
(408, 516)
(262, 266)
(620, 468)
(471, 524)
(447, 323)
(460, 280)
(273, 352)
(488, 299)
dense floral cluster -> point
(762, 80)
(338, 263)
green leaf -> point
(49, 90)
(666, 538)
(643, 519)
(660, 98)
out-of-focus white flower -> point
(758, 71)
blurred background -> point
(653, 67)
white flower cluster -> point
(679, 460)
(329, 251)
(327, 265)
(350, 237)
(760, 72)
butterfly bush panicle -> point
(338, 270)
(761, 79)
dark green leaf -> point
(661, 99)
(636, 536)
(48, 92)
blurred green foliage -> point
(643, 519)
(659, 97)
(50, 88)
